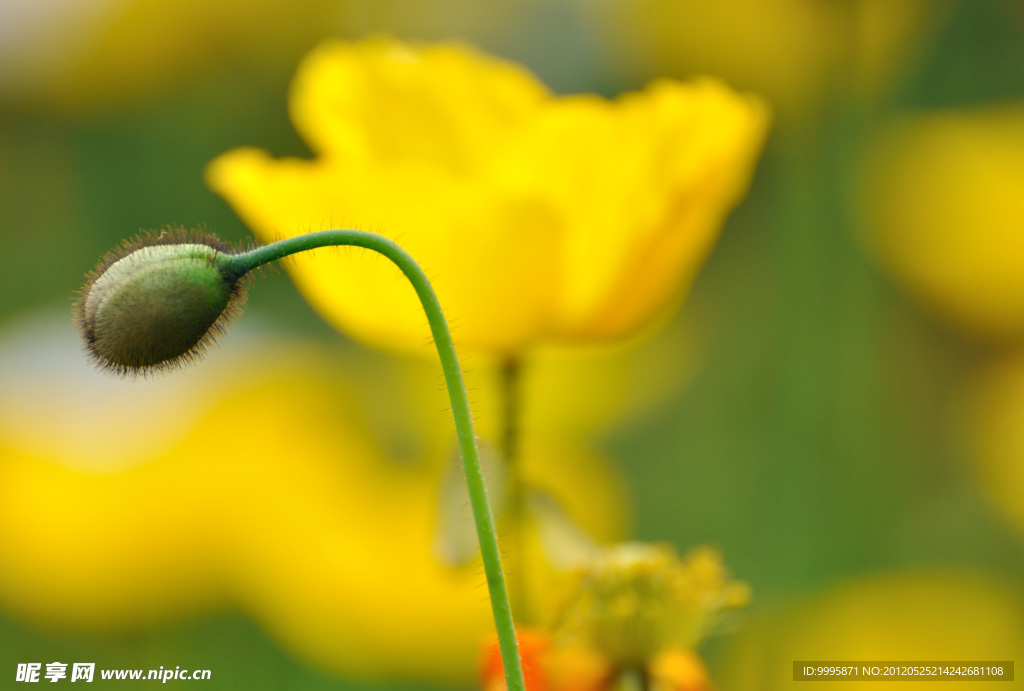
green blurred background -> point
(822, 436)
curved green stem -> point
(244, 262)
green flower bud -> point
(158, 303)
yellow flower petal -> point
(480, 248)
(642, 185)
(538, 218)
(679, 670)
(381, 101)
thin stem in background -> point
(511, 393)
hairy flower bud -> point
(158, 302)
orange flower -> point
(552, 667)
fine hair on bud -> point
(158, 302)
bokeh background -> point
(838, 406)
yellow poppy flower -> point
(944, 215)
(921, 616)
(252, 481)
(539, 218)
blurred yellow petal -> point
(328, 545)
(85, 484)
(926, 616)
(271, 500)
(133, 543)
(944, 216)
(538, 218)
(679, 670)
(270, 495)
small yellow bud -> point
(633, 601)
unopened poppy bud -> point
(158, 302)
